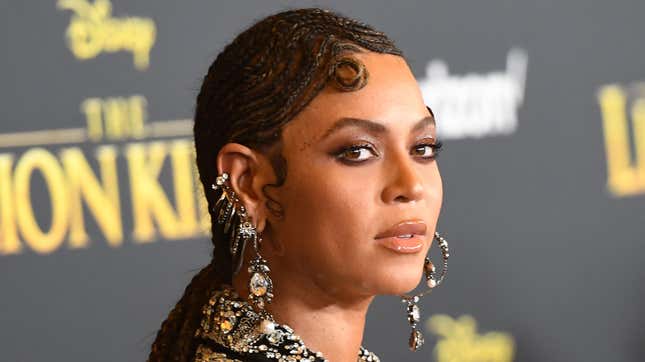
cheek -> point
(435, 190)
(328, 213)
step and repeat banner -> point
(540, 104)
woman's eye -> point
(423, 150)
(361, 153)
(356, 153)
(427, 150)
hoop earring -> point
(413, 312)
(230, 212)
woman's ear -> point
(247, 172)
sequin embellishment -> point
(232, 323)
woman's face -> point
(359, 163)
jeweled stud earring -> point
(413, 311)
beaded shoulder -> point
(232, 323)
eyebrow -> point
(374, 127)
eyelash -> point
(436, 149)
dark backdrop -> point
(543, 118)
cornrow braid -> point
(258, 83)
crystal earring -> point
(230, 212)
(260, 284)
(413, 312)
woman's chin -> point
(399, 283)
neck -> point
(327, 323)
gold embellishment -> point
(205, 354)
(232, 323)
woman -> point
(317, 156)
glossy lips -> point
(405, 237)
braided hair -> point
(258, 83)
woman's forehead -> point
(391, 97)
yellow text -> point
(625, 172)
(115, 118)
(93, 30)
(460, 342)
(73, 185)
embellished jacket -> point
(231, 330)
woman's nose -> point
(405, 184)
